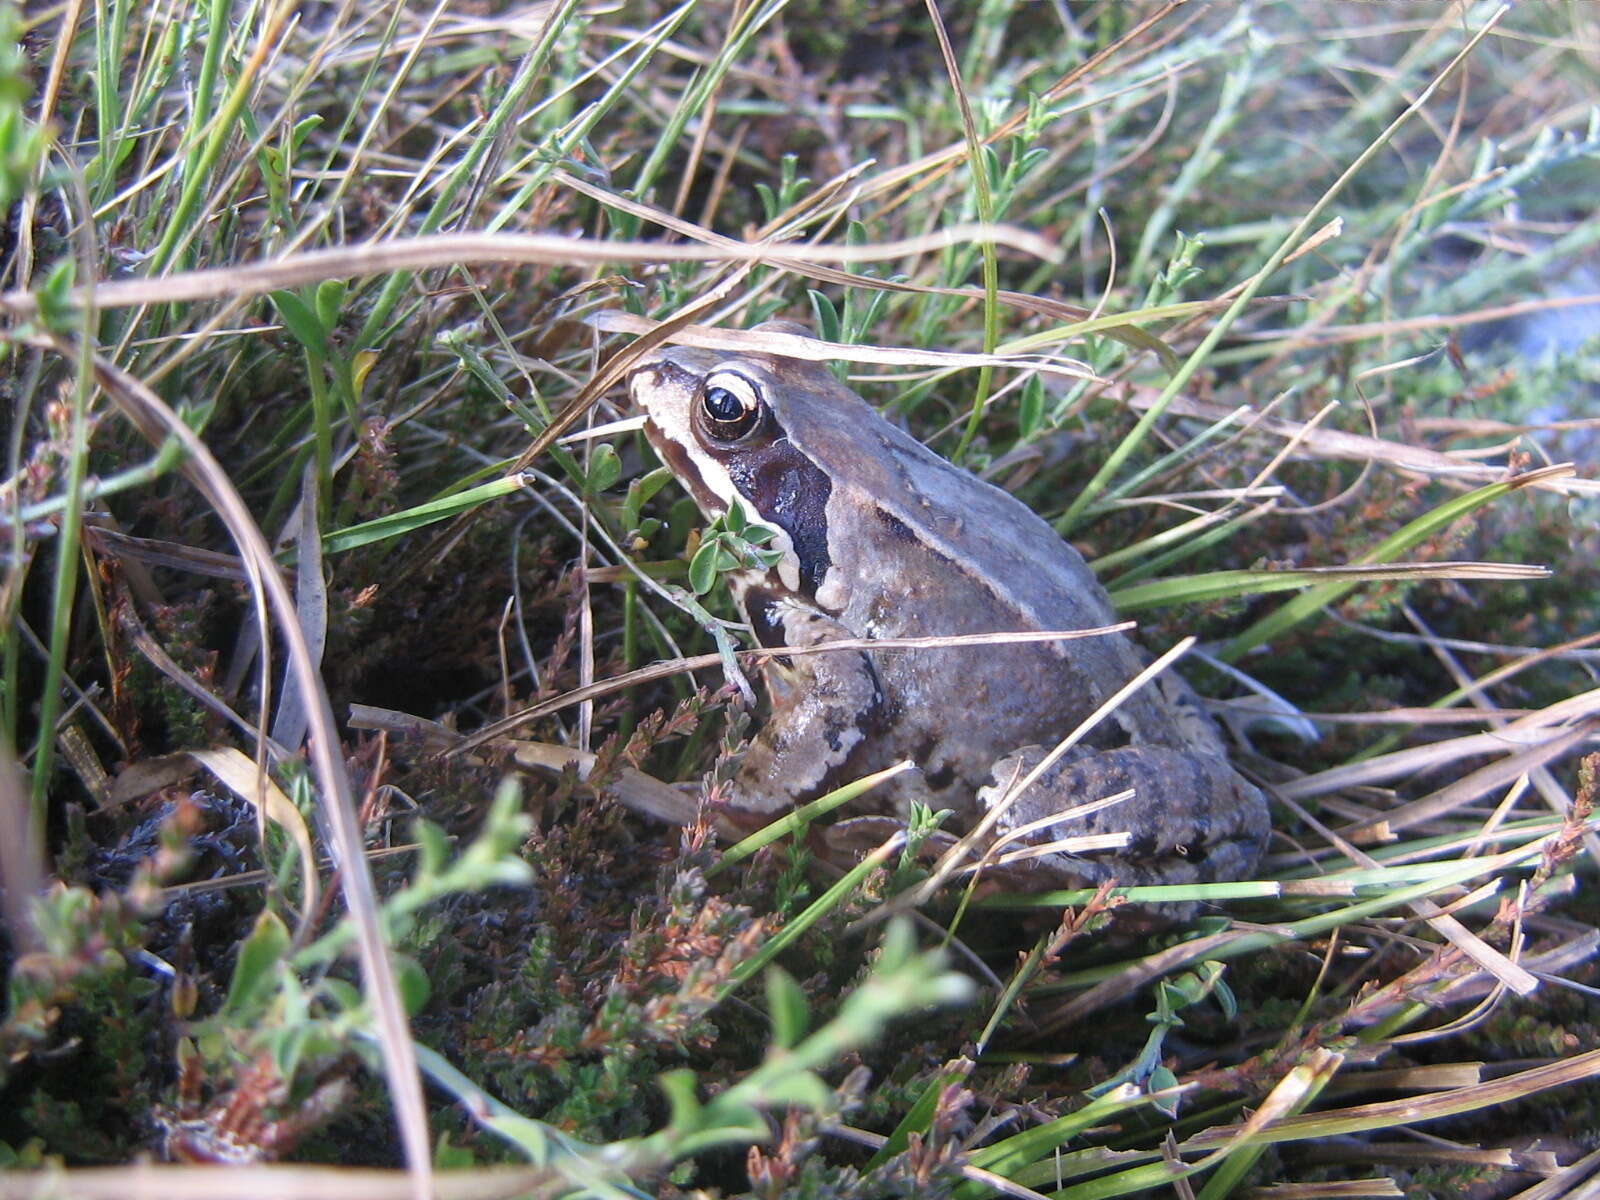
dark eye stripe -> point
(791, 492)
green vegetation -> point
(1283, 313)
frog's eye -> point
(730, 405)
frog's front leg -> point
(823, 706)
(1191, 818)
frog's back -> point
(995, 567)
(982, 530)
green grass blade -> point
(1010, 1155)
(1303, 608)
(418, 517)
(796, 821)
(814, 912)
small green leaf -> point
(433, 848)
(640, 493)
(802, 1089)
(360, 365)
(1184, 990)
(330, 299)
(786, 1008)
(703, 568)
(1226, 1000)
(255, 969)
(1030, 409)
(300, 321)
(824, 315)
(605, 468)
(346, 995)
(532, 1137)
(769, 201)
(684, 1105)
(288, 1048)
(413, 982)
(302, 130)
(1161, 1079)
(56, 309)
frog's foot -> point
(1190, 818)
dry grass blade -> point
(1433, 570)
(1552, 966)
(1252, 286)
(927, 170)
(1337, 444)
(1078, 316)
(142, 1181)
(1341, 1189)
(810, 349)
(158, 422)
(1481, 782)
(1299, 1087)
(457, 249)
(311, 610)
(1388, 1113)
(1076, 812)
(1403, 1153)
(1127, 983)
(983, 201)
(239, 775)
(1129, 977)
(1089, 723)
(1508, 973)
(1339, 334)
(1425, 1078)
(1565, 721)
(618, 367)
(631, 788)
(156, 655)
(1575, 1182)
(193, 560)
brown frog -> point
(881, 538)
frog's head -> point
(719, 420)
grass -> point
(299, 303)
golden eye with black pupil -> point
(730, 405)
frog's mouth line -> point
(683, 468)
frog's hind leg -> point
(1190, 819)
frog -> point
(877, 537)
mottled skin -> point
(886, 539)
